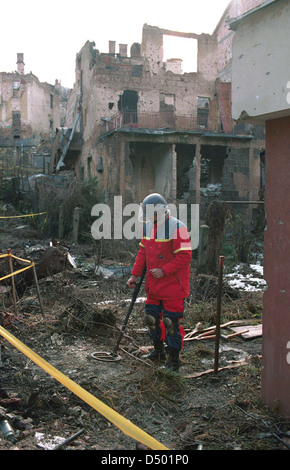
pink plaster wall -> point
(276, 311)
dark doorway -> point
(127, 105)
(185, 156)
(212, 162)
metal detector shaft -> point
(133, 300)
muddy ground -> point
(184, 412)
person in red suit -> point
(165, 251)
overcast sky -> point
(50, 34)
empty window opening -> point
(202, 111)
(167, 110)
(100, 165)
(16, 89)
(185, 156)
(89, 167)
(128, 101)
(262, 174)
(16, 119)
(212, 162)
(180, 54)
(169, 100)
(127, 104)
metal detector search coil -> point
(105, 356)
(113, 356)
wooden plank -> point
(233, 365)
(254, 331)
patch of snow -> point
(106, 302)
(249, 281)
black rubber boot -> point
(173, 363)
(158, 353)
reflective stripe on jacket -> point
(165, 246)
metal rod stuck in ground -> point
(218, 313)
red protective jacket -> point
(168, 247)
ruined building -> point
(30, 113)
(141, 124)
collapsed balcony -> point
(169, 120)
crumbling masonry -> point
(139, 124)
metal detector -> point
(113, 356)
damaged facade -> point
(259, 51)
(139, 124)
(30, 113)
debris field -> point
(81, 316)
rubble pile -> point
(83, 313)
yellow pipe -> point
(122, 423)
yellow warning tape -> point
(16, 257)
(17, 272)
(122, 423)
(20, 216)
(20, 259)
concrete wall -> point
(43, 106)
(276, 311)
(224, 35)
(260, 77)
